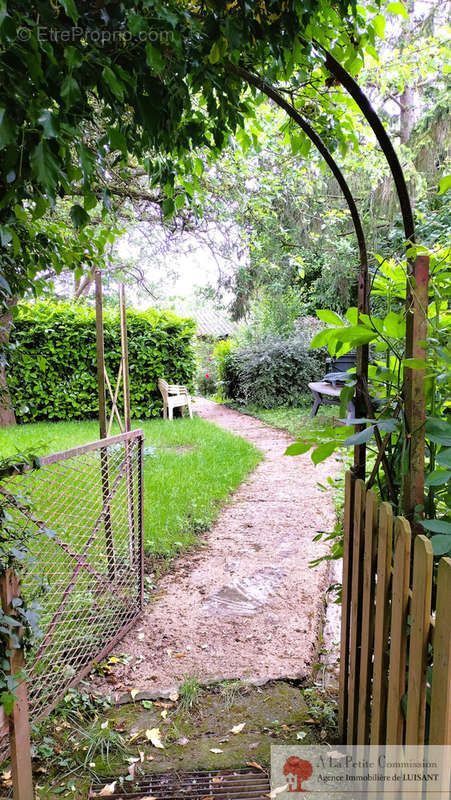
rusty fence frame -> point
(118, 506)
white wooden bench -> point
(174, 396)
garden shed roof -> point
(211, 322)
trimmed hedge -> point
(53, 373)
(274, 372)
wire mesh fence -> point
(81, 514)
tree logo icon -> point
(296, 770)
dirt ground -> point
(246, 604)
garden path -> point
(246, 604)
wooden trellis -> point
(103, 379)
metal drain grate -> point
(214, 785)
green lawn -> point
(295, 419)
(194, 468)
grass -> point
(194, 467)
(189, 692)
(295, 419)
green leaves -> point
(395, 325)
(113, 82)
(441, 542)
(45, 166)
(415, 363)
(7, 129)
(323, 451)
(397, 8)
(342, 339)
(330, 317)
(379, 25)
(7, 700)
(443, 458)
(218, 50)
(79, 216)
(439, 431)
(444, 184)
(298, 449)
(70, 91)
(49, 122)
(70, 9)
(438, 477)
(154, 58)
(361, 437)
(54, 340)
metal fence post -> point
(19, 725)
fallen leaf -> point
(136, 735)
(277, 791)
(164, 713)
(215, 750)
(133, 693)
(255, 765)
(107, 789)
(312, 721)
(154, 736)
(132, 759)
(132, 770)
(148, 798)
(149, 758)
(159, 704)
(301, 735)
(141, 755)
(182, 741)
(6, 775)
(174, 696)
(237, 728)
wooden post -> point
(414, 395)
(420, 613)
(103, 425)
(346, 606)
(361, 370)
(356, 609)
(124, 346)
(398, 633)
(127, 423)
(381, 625)
(368, 610)
(440, 728)
(19, 726)
(100, 355)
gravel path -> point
(246, 605)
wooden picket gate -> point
(387, 622)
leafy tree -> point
(157, 74)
